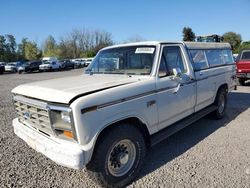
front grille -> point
(34, 116)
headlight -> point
(62, 123)
(66, 117)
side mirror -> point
(177, 72)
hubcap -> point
(121, 158)
(221, 104)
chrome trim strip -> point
(59, 108)
(30, 101)
(93, 108)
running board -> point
(170, 130)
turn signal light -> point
(68, 134)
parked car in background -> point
(243, 67)
(13, 66)
(51, 59)
(1, 68)
(10, 67)
(78, 63)
(88, 61)
(50, 66)
(30, 66)
(67, 64)
(235, 57)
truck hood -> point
(64, 90)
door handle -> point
(151, 103)
(201, 73)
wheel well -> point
(131, 121)
(223, 86)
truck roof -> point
(189, 45)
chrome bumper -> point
(62, 152)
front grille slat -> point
(34, 116)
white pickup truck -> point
(131, 97)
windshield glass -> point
(135, 60)
(245, 55)
(46, 62)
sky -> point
(149, 19)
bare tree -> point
(135, 38)
(84, 42)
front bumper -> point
(10, 69)
(45, 68)
(62, 152)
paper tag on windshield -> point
(144, 50)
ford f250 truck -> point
(131, 97)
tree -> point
(31, 51)
(234, 39)
(50, 47)
(21, 49)
(244, 46)
(2, 48)
(188, 34)
(10, 48)
(83, 43)
(135, 38)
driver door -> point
(175, 96)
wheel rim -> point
(221, 104)
(121, 158)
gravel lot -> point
(208, 153)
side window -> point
(163, 67)
(228, 56)
(199, 59)
(173, 57)
(215, 58)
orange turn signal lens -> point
(68, 134)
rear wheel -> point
(118, 156)
(221, 103)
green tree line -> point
(84, 43)
(77, 43)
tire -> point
(221, 102)
(241, 81)
(118, 156)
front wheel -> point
(221, 103)
(118, 156)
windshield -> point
(135, 60)
(46, 62)
(245, 55)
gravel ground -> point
(208, 153)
